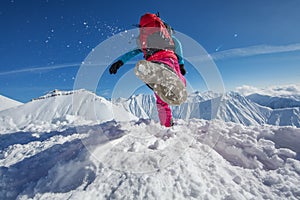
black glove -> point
(182, 70)
(115, 66)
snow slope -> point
(274, 102)
(196, 159)
(285, 117)
(6, 103)
(59, 108)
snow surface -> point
(195, 159)
(76, 145)
(6, 103)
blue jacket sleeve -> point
(127, 56)
(178, 50)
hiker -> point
(158, 44)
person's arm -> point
(123, 59)
(179, 54)
(178, 50)
(129, 55)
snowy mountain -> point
(230, 107)
(236, 108)
(285, 107)
(6, 103)
(58, 108)
(274, 102)
(196, 159)
(62, 107)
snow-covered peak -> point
(61, 107)
(6, 103)
(56, 92)
(202, 96)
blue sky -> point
(43, 43)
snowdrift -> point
(196, 159)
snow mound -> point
(195, 159)
(6, 103)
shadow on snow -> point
(58, 169)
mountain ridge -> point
(231, 106)
(61, 107)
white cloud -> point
(34, 69)
(279, 91)
(255, 50)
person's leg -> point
(164, 112)
(173, 64)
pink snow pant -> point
(164, 111)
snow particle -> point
(219, 47)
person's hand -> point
(182, 69)
(115, 66)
